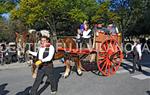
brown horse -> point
(66, 42)
(20, 41)
(26, 41)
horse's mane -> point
(67, 42)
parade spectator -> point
(137, 55)
(1, 55)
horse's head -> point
(21, 42)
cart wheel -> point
(109, 57)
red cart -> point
(107, 50)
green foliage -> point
(6, 34)
(142, 26)
(129, 15)
(82, 9)
(105, 14)
(53, 12)
(38, 11)
(65, 15)
(6, 6)
(77, 15)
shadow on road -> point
(144, 63)
(25, 92)
(129, 68)
(57, 73)
(146, 73)
(2, 89)
(145, 60)
(148, 92)
(126, 66)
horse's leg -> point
(67, 70)
(79, 66)
(29, 60)
(34, 69)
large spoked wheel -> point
(109, 57)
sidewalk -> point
(20, 65)
(13, 65)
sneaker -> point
(53, 92)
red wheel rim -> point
(110, 58)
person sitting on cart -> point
(79, 37)
(98, 28)
(82, 26)
(113, 29)
(86, 35)
(80, 30)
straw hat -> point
(45, 33)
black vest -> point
(135, 52)
(45, 54)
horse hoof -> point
(80, 74)
(65, 76)
(34, 76)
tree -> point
(51, 13)
(82, 9)
(129, 11)
(7, 5)
(6, 33)
(105, 13)
(145, 25)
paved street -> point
(15, 79)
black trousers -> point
(136, 62)
(85, 42)
(44, 71)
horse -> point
(20, 41)
(26, 41)
(67, 42)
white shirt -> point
(138, 48)
(86, 34)
(41, 52)
(117, 31)
(78, 36)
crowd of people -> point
(8, 53)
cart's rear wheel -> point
(109, 57)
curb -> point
(13, 65)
